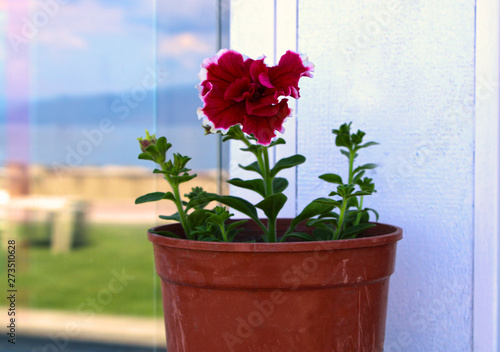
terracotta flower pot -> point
(276, 297)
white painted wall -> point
(405, 72)
(487, 178)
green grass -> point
(83, 280)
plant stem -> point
(268, 180)
(223, 232)
(351, 165)
(268, 186)
(360, 207)
(263, 161)
(341, 219)
(178, 203)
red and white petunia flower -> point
(238, 90)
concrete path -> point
(58, 331)
(34, 344)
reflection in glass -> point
(82, 80)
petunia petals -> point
(263, 128)
(240, 91)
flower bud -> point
(149, 140)
(208, 129)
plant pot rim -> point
(390, 234)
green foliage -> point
(271, 205)
(252, 167)
(287, 163)
(339, 218)
(256, 185)
(349, 218)
(212, 226)
(150, 197)
(196, 193)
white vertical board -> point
(265, 27)
(487, 178)
(286, 39)
(252, 34)
(403, 72)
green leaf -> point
(332, 178)
(219, 216)
(355, 230)
(343, 140)
(276, 142)
(232, 230)
(365, 167)
(236, 203)
(366, 145)
(165, 233)
(256, 185)
(328, 201)
(235, 133)
(357, 177)
(197, 218)
(312, 209)
(169, 196)
(175, 217)
(272, 205)
(353, 213)
(196, 192)
(352, 202)
(366, 185)
(322, 222)
(240, 205)
(180, 161)
(286, 163)
(150, 197)
(210, 239)
(146, 156)
(329, 215)
(346, 153)
(234, 225)
(252, 167)
(231, 235)
(356, 139)
(345, 190)
(374, 212)
(152, 149)
(359, 193)
(184, 178)
(302, 235)
(279, 184)
(162, 145)
(365, 218)
(202, 200)
(322, 234)
(254, 148)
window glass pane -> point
(82, 79)
(188, 33)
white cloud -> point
(180, 45)
(188, 8)
(89, 16)
(71, 24)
